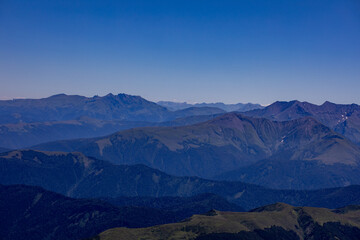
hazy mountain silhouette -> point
(76, 175)
(64, 107)
(25, 122)
(239, 107)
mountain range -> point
(238, 107)
(25, 122)
(342, 118)
(120, 162)
(75, 175)
(249, 148)
(64, 107)
(277, 221)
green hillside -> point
(277, 221)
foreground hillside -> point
(76, 175)
(28, 212)
(278, 221)
(230, 142)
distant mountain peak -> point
(279, 106)
(58, 95)
(328, 103)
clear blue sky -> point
(231, 51)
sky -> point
(256, 51)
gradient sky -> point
(230, 51)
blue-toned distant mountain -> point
(25, 122)
(68, 107)
(197, 111)
(238, 107)
(230, 142)
(63, 107)
(342, 118)
(75, 175)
